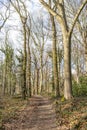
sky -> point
(15, 21)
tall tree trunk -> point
(34, 80)
(67, 66)
(24, 64)
(85, 43)
(37, 81)
(59, 62)
(41, 71)
(54, 53)
(86, 57)
(46, 78)
(29, 70)
(4, 78)
(77, 64)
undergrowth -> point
(9, 107)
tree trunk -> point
(54, 53)
(34, 79)
(37, 81)
(85, 43)
(67, 66)
(24, 64)
(77, 65)
(4, 78)
(29, 70)
(41, 71)
(86, 57)
(41, 80)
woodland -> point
(43, 64)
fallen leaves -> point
(9, 107)
(72, 114)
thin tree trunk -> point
(41, 72)
(29, 70)
(77, 64)
(24, 64)
(37, 81)
(4, 78)
(85, 43)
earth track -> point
(39, 114)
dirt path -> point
(38, 115)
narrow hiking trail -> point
(39, 114)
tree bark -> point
(41, 71)
(54, 53)
(85, 44)
(24, 63)
(29, 70)
(37, 81)
(4, 78)
(67, 67)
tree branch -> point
(51, 11)
(77, 15)
(7, 14)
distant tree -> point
(22, 12)
(8, 71)
(4, 15)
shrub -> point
(80, 89)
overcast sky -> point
(14, 21)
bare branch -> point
(5, 18)
(77, 15)
(50, 10)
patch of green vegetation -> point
(80, 89)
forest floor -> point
(38, 114)
(42, 113)
(72, 115)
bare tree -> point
(4, 16)
(58, 11)
(39, 39)
(29, 59)
(22, 11)
(54, 53)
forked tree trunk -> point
(61, 18)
